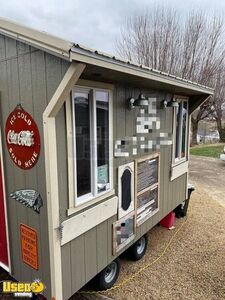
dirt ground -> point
(193, 268)
(209, 173)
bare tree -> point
(218, 103)
(192, 48)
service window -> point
(180, 131)
(91, 131)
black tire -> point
(108, 276)
(138, 249)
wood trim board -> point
(88, 219)
(179, 170)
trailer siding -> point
(88, 254)
(30, 77)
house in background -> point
(94, 153)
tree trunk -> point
(221, 130)
(194, 125)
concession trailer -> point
(94, 152)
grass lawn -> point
(208, 150)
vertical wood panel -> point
(2, 47)
(25, 86)
(114, 136)
(168, 154)
(167, 163)
(129, 113)
(17, 174)
(38, 80)
(77, 264)
(10, 47)
(121, 106)
(110, 238)
(53, 74)
(8, 165)
(102, 245)
(62, 163)
(67, 271)
(90, 251)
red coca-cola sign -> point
(22, 138)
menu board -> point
(147, 173)
(147, 205)
(146, 197)
(147, 187)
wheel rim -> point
(141, 245)
(110, 272)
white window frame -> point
(79, 203)
(180, 166)
(179, 160)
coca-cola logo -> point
(22, 138)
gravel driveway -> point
(209, 173)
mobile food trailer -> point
(93, 152)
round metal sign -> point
(22, 138)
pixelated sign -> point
(22, 138)
(29, 246)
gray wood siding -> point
(88, 254)
(30, 77)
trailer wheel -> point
(107, 277)
(138, 249)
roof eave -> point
(110, 63)
(36, 38)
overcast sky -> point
(93, 23)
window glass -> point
(184, 129)
(180, 130)
(102, 116)
(178, 118)
(91, 143)
(83, 146)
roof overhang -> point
(39, 39)
(112, 70)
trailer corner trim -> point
(50, 142)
